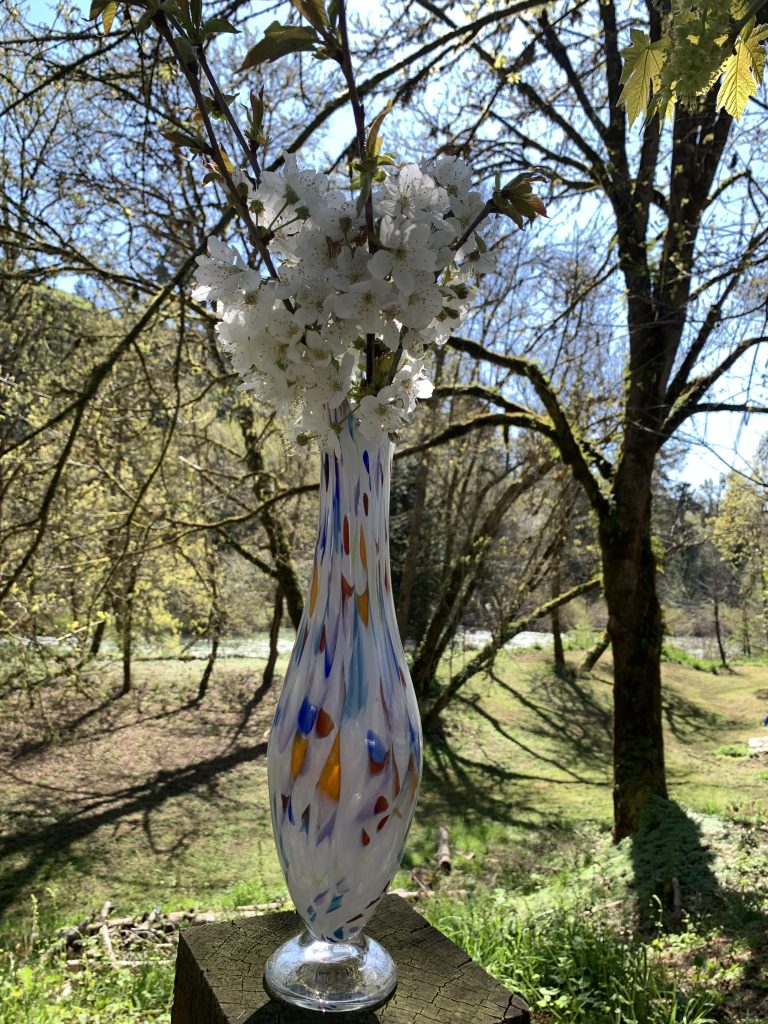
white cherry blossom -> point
(298, 341)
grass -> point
(683, 657)
(573, 966)
(42, 990)
(733, 750)
(147, 802)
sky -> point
(718, 441)
(44, 10)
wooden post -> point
(219, 975)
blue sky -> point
(718, 441)
(43, 10)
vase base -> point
(334, 977)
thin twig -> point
(222, 104)
(344, 58)
(234, 193)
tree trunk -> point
(124, 617)
(410, 564)
(746, 640)
(594, 654)
(274, 635)
(98, 636)
(636, 630)
(216, 618)
(127, 646)
(278, 534)
(718, 631)
(557, 632)
(487, 654)
(460, 583)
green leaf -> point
(180, 138)
(374, 142)
(215, 25)
(279, 40)
(187, 52)
(196, 12)
(742, 72)
(108, 16)
(104, 9)
(643, 61)
(313, 11)
(753, 39)
(518, 201)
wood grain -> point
(219, 975)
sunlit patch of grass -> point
(682, 657)
(40, 985)
(573, 966)
(733, 750)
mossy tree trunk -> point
(635, 628)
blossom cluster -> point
(298, 339)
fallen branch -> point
(443, 851)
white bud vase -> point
(345, 750)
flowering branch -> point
(367, 281)
(236, 199)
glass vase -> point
(345, 749)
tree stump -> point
(220, 967)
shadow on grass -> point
(475, 702)
(478, 791)
(684, 717)
(30, 747)
(673, 863)
(69, 732)
(569, 717)
(44, 846)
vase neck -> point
(354, 501)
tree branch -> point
(573, 452)
(507, 631)
(688, 403)
(712, 319)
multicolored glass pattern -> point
(345, 749)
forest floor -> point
(150, 801)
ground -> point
(148, 800)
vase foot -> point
(335, 977)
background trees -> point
(681, 294)
(130, 461)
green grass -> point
(573, 966)
(146, 803)
(42, 990)
(733, 750)
(683, 657)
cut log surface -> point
(219, 975)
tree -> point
(686, 280)
(740, 535)
(119, 463)
(672, 249)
